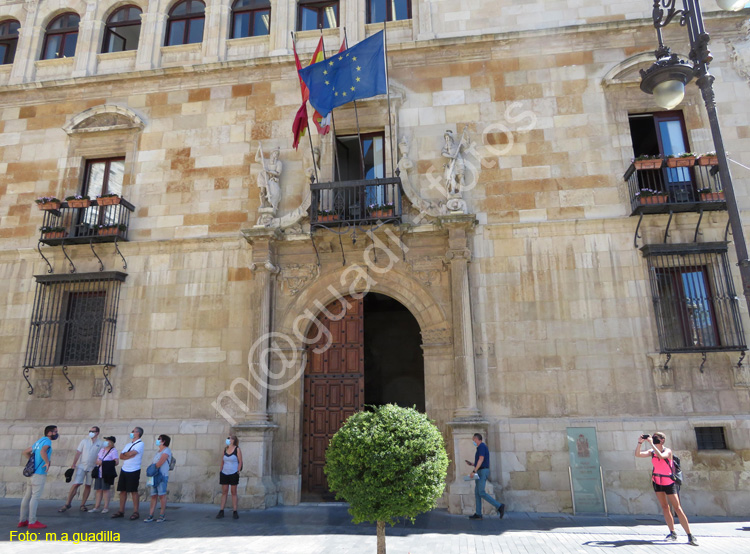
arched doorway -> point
(373, 357)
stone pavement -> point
(327, 528)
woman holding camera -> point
(666, 489)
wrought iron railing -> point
(654, 187)
(356, 202)
(95, 223)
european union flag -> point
(358, 72)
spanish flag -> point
(322, 124)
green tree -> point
(387, 463)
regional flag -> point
(355, 73)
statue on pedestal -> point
(455, 171)
(268, 183)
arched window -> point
(61, 37)
(123, 30)
(8, 40)
(317, 14)
(185, 25)
(251, 18)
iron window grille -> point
(388, 10)
(74, 320)
(8, 40)
(710, 438)
(61, 37)
(312, 15)
(123, 30)
(251, 18)
(186, 21)
(695, 304)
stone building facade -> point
(535, 311)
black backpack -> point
(676, 470)
(30, 467)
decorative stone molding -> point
(427, 269)
(106, 117)
(419, 204)
(296, 277)
(437, 335)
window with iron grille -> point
(695, 304)
(710, 438)
(74, 319)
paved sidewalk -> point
(327, 529)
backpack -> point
(676, 470)
(172, 463)
(30, 467)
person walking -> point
(481, 472)
(83, 463)
(106, 461)
(666, 489)
(41, 450)
(229, 474)
(161, 460)
(130, 475)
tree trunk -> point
(381, 537)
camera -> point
(644, 437)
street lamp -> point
(666, 80)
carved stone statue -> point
(455, 169)
(313, 163)
(268, 181)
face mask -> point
(54, 437)
(158, 442)
(91, 435)
(132, 435)
(229, 441)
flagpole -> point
(337, 170)
(356, 118)
(388, 92)
(309, 132)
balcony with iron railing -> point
(675, 185)
(354, 203)
(102, 220)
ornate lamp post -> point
(666, 80)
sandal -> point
(64, 508)
(84, 509)
(135, 516)
(117, 514)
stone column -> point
(258, 487)
(27, 52)
(89, 40)
(153, 25)
(283, 21)
(216, 32)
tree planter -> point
(708, 160)
(49, 206)
(107, 232)
(79, 203)
(681, 162)
(712, 196)
(655, 199)
(108, 201)
(54, 235)
(648, 164)
(324, 218)
(379, 214)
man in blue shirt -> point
(42, 451)
(481, 469)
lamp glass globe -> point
(731, 5)
(669, 94)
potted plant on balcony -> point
(107, 199)
(648, 162)
(709, 158)
(650, 196)
(327, 215)
(78, 201)
(380, 210)
(682, 160)
(52, 232)
(707, 195)
(48, 203)
(105, 230)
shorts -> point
(674, 488)
(161, 488)
(82, 477)
(128, 481)
(232, 479)
(101, 485)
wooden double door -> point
(333, 387)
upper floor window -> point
(123, 30)
(61, 37)
(251, 18)
(8, 40)
(388, 10)
(314, 14)
(185, 25)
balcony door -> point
(102, 177)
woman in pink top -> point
(667, 491)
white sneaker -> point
(94, 510)
(105, 510)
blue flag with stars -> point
(358, 72)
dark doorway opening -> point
(394, 366)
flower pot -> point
(324, 218)
(108, 231)
(54, 235)
(108, 201)
(712, 196)
(49, 206)
(79, 203)
(655, 199)
(648, 164)
(379, 214)
(708, 160)
(681, 162)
